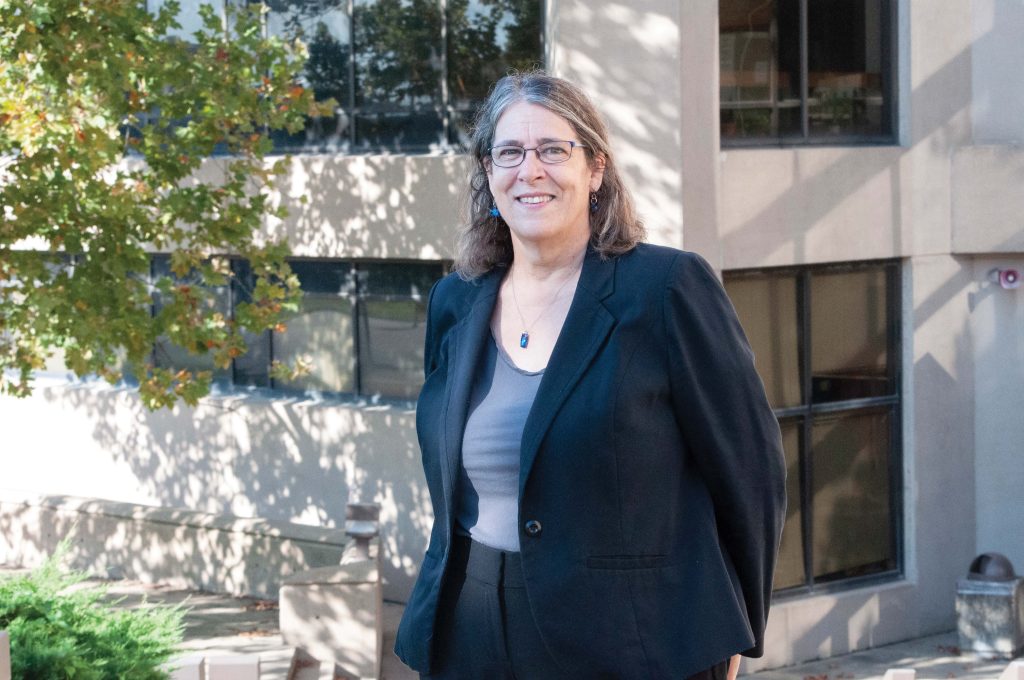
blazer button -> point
(533, 528)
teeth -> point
(534, 199)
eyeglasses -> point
(551, 153)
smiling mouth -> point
(533, 200)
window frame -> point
(355, 289)
(890, 77)
(805, 414)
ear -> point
(597, 172)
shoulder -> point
(452, 296)
(663, 266)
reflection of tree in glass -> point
(487, 39)
(327, 66)
(397, 52)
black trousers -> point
(485, 628)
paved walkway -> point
(221, 624)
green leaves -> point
(62, 632)
(107, 128)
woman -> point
(606, 475)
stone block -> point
(186, 667)
(900, 674)
(990, 617)
(1015, 671)
(235, 667)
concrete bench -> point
(176, 547)
(334, 614)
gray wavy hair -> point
(485, 241)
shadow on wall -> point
(372, 206)
(626, 56)
(291, 460)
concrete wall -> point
(808, 205)
(997, 54)
(997, 320)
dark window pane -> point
(324, 26)
(252, 368)
(849, 335)
(321, 332)
(398, 74)
(392, 321)
(169, 355)
(851, 507)
(790, 569)
(844, 67)
(486, 39)
(759, 63)
(767, 308)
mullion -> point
(805, 117)
(896, 417)
(803, 289)
(350, 7)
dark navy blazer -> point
(652, 482)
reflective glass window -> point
(322, 332)
(849, 335)
(392, 322)
(825, 341)
(485, 40)
(398, 74)
(789, 571)
(795, 71)
(767, 308)
(852, 512)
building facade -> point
(854, 170)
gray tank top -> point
(488, 496)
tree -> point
(107, 128)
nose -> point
(531, 168)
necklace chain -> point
(524, 337)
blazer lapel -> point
(586, 326)
(465, 348)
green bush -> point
(60, 632)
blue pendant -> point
(524, 339)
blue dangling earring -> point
(593, 201)
(494, 210)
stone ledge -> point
(177, 547)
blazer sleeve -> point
(729, 429)
(430, 341)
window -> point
(825, 342)
(407, 75)
(360, 326)
(806, 71)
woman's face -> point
(543, 204)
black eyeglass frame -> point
(535, 149)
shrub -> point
(60, 632)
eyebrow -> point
(516, 142)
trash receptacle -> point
(990, 608)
